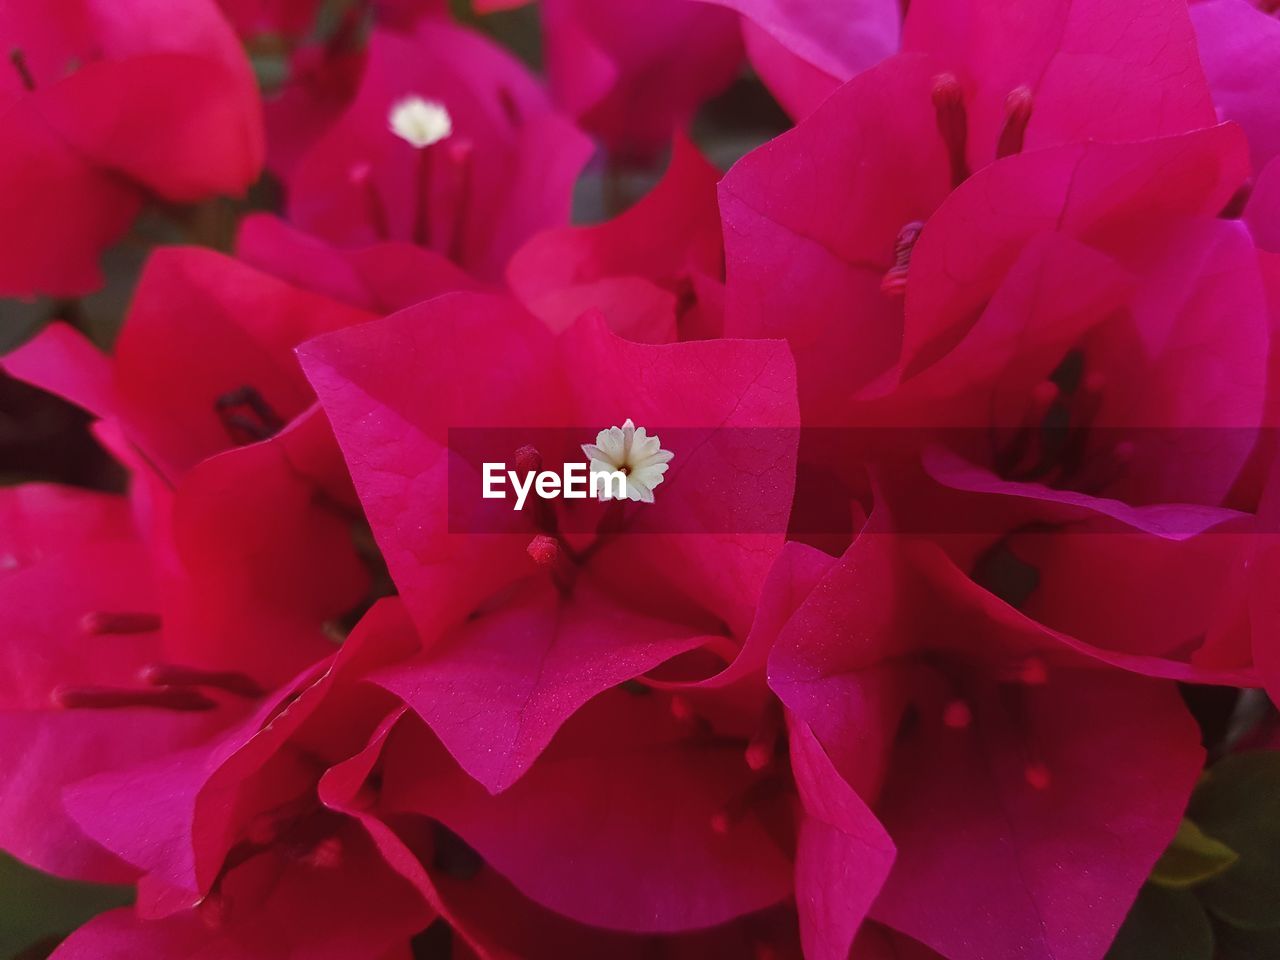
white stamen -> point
(419, 122)
(628, 449)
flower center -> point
(628, 450)
(442, 182)
(1055, 445)
(419, 122)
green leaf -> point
(1165, 923)
(35, 906)
(1193, 857)
(1238, 802)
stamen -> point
(1104, 468)
(1034, 672)
(230, 681)
(553, 555)
(681, 709)
(361, 177)
(763, 744)
(953, 123)
(1017, 113)
(545, 550)
(100, 622)
(957, 715)
(246, 416)
(112, 698)
(528, 459)
(19, 61)
(894, 283)
(462, 158)
(1037, 775)
(325, 855)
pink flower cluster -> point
(982, 350)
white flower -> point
(630, 450)
(419, 122)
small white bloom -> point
(419, 122)
(630, 450)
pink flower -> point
(504, 170)
(977, 744)
(105, 103)
(238, 480)
(79, 594)
(817, 220)
(203, 363)
(250, 843)
(513, 649)
(676, 798)
(1074, 327)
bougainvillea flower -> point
(1097, 344)
(804, 51)
(1155, 400)
(634, 72)
(478, 903)
(262, 555)
(626, 779)
(83, 648)
(238, 844)
(836, 237)
(510, 610)
(204, 361)
(506, 170)
(959, 733)
(104, 102)
(248, 503)
(648, 270)
(1240, 50)
(678, 801)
